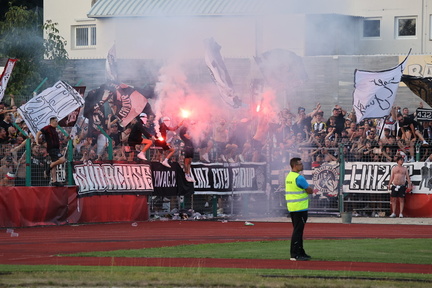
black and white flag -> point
(375, 91)
(4, 79)
(57, 101)
(219, 73)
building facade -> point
(161, 29)
(341, 35)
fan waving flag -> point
(4, 79)
(125, 103)
(375, 92)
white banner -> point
(5, 76)
(375, 92)
(57, 101)
(373, 177)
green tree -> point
(35, 5)
(21, 37)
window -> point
(406, 26)
(85, 36)
(371, 27)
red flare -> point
(185, 113)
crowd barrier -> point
(108, 190)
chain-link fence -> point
(25, 164)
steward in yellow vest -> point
(297, 199)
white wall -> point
(388, 10)
(181, 38)
(68, 13)
(240, 36)
(151, 37)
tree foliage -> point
(35, 5)
(21, 37)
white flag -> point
(57, 101)
(4, 79)
(111, 73)
(375, 92)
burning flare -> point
(258, 108)
(185, 113)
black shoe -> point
(300, 258)
(307, 256)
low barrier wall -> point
(43, 206)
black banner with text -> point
(229, 178)
(119, 177)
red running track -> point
(40, 245)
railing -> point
(28, 163)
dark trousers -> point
(298, 220)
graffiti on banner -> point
(109, 178)
(229, 178)
(57, 101)
(170, 181)
(71, 119)
(371, 177)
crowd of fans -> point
(313, 136)
(317, 140)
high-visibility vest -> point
(296, 198)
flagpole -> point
(40, 85)
(382, 127)
(110, 148)
(68, 155)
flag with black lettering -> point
(375, 91)
(58, 101)
(71, 119)
(4, 79)
(127, 103)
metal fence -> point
(28, 162)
